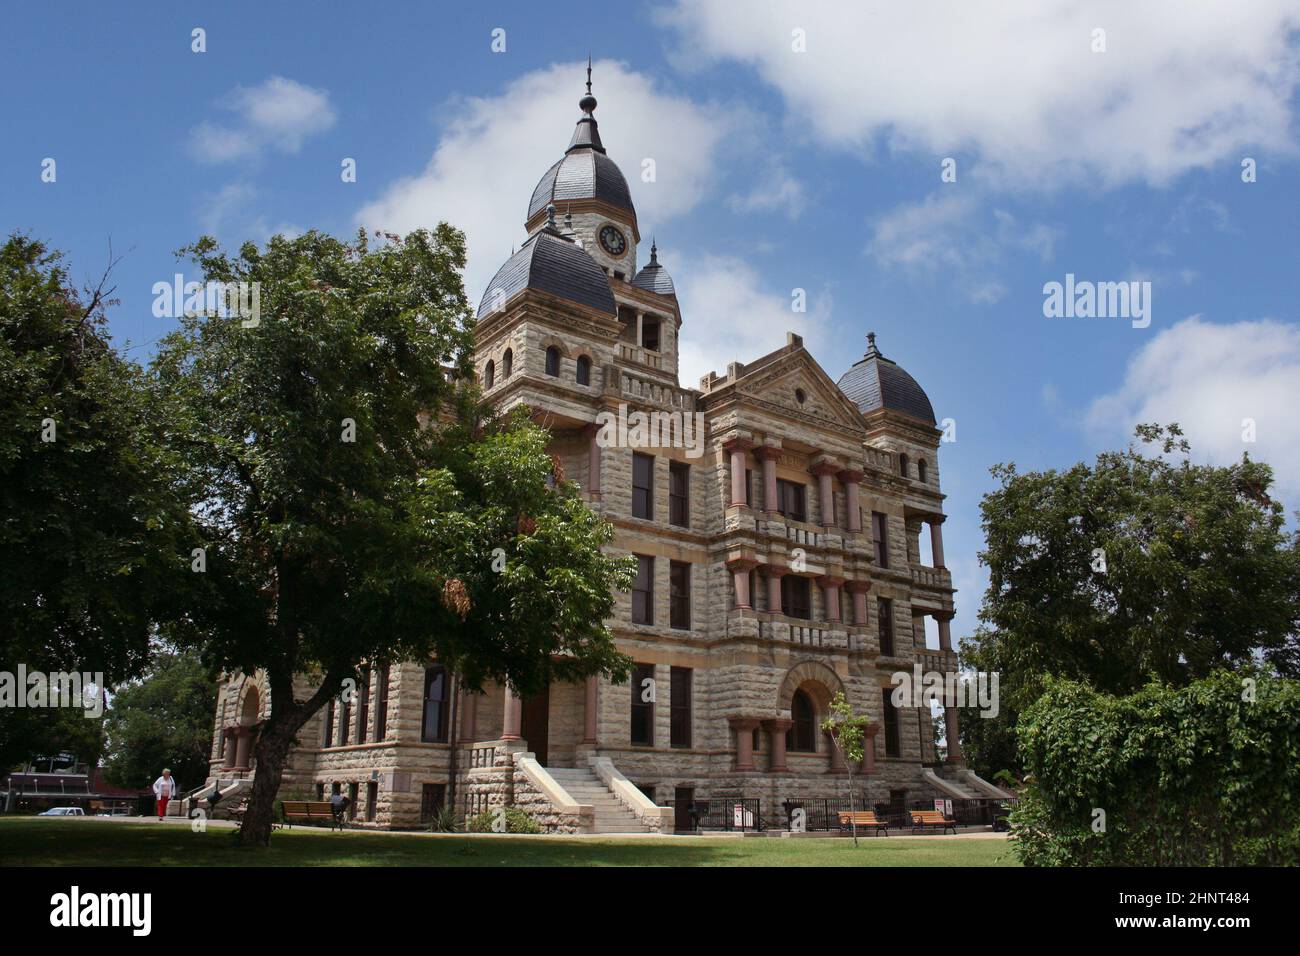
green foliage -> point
(446, 820)
(1195, 775)
(517, 821)
(847, 729)
(93, 540)
(26, 734)
(164, 720)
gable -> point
(775, 386)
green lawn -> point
(89, 842)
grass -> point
(90, 842)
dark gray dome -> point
(582, 173)
(548, 262)
(654, 277)
(876, 382)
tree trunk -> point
(853, 805)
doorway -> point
(683, 797)
(535, 724)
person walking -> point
(164, 788)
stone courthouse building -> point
(779, 563)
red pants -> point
(162, 806)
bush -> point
(445, 821)
(517, 821)
(1193, 776)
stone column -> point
(831, 593)
(740, 568)
(640, 321)
(775, 573)
(589, 730)
(859, 591)
(825, 491)
(769, 455)
(776, 728)
(469, 715)
(953, 734)
(244, 745)
(737, 448)
(869, 749)
(229, 734)
(744, 728)
(837, 758)
(851, 478)
(945, 631)
(512, 714)
(593, 461)
(936, 540)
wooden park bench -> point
(309, 811)
(921, 819)
(863, 820)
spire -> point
(872, 351)
(654, 252)
(586, 135)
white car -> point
(63, 812)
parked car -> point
(63, 812)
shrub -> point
(445, 821)
(1201, 775)
(517, 821)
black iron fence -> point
(727, 813)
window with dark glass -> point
(643, 591)
(372, 800)
(796, 597)
(680, 707)
(643, 485)
(892, 748)
(381, 704)
(489, 374)
(679, 484)
(352, 800)
(553, 361)
(363, 705)
(879, 530)
(507, 363)
(327, 738)
(790, 496)
(650, 335)
(902, 465)
(583, 373)
(885, 620)
(643, 706)
(802, 735)
(749, 487)
(436, 697)
(345, 721)
(432, 797)
(920, 468)
(679, 593)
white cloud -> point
(492, 154)
(778, 191)
(1015, 83)
(950, 231)
(730, 316)
(279, 114)
(1209, 378)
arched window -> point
(802, 735)
(583, 374)
(552, 361)
(920, 468)
(507, 363)
(902, 465)
(489, 374)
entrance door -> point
(534, 724)
(683, 797)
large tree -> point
(1141, 565)
(163, 720)
(355, 506)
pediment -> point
(776, 385)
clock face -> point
(613, 241)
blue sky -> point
(776, 168)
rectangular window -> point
(749, 487)
(880, 531)
(643, 485)
(790, 497)
(679, 485)
(436, 696)
(643, 707)
(885, 620)
(432, 797)
(650, 335)
(891, 724)
(679, 590)
(381, 704)
(363, 706)
(643, 591)
(680, 707)
(320, 792)
(796, 597)
(352, 801)
(372, 800)
(345, 718)
(327, 737)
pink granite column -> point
(859, 591)
(826, 491)
(769, 455)
(851, 478)
(740, 568)
(738, 448)
(945, 631)
(589, 730)
(776, 728)
(229, 745)
(936, 540)
(512, 714)
(869, 749)
(245, 744)
(837, 758)
(744, 728)
(775, 573)
(469, 715)
(831, 593)
(593, 461)
(953, 734)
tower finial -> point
(588, 72)
(654, 252)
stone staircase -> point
(950, 786)
(612, 815)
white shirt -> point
(164, 787)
